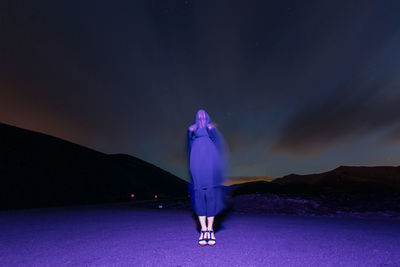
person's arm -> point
(190, 135)
(212, 132)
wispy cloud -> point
(352, 112)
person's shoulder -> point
(210, 126)
(192, 127)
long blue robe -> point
(207, 166)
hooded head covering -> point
(202, 119)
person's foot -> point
(211, 238)
(203, 238)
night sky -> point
(294, 86)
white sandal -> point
(203, 233)
(211, 239)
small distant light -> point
(133, 195)
(160, 206)
(155, 196)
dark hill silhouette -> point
(348, 179)
(38, 170)
(255, 187)
(344, 179)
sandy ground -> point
(120, 235)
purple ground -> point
(118, 235)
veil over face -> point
(202, 118)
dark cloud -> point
(392, 136)
(350, 113)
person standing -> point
(207, 164)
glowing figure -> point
(207, 165)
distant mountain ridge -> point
(388, 175)
(344, 179)
(40, 170)
(246, 179)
